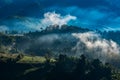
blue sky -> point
(93, 14)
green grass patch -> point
(30, 59)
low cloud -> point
(48, 39)
(94, 46)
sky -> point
(28, 15)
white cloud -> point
(100, 48)
(52, 18)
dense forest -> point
(56, 54)
(63, 68)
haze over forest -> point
(59, 40)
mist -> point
(92, 45)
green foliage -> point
(66, 68)
(30, 59)
(63, 68)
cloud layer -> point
(95, 46)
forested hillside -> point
(63, 67)
(60, 54)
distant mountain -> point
(56, 29)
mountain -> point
(69, 40)
(55, 39)
(56, 29)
